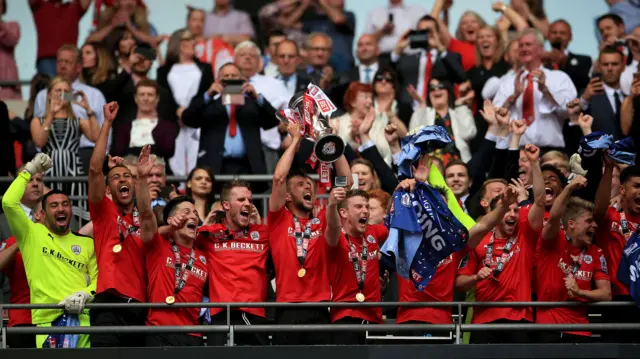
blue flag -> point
(591, 143)
(629, 269)
(422, 232)
(623, 151)
(63, 340)
(419, 141)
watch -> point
(46, 128)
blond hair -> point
(575, 208)
(500, 45)
(68, 108)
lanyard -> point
(130, 228)
(624, 225)
(231, 236)
(180, 273)
(302, 239)
(359, 261)
(503, 259)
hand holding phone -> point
(340, 181)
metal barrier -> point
(458, 327)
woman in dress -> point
(200, 187)
(58, 133)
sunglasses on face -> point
(383, 77)
(436, 87)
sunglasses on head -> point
(436, 87)
(383, 77)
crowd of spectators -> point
(547, 215)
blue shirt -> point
(342, 35)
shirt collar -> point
(610, 90)
(26, 209)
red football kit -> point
(118, 251)
(513, 284)
(343, 275)
(237, 264)
(160, 261)
(557, 259)
(611, 239)
(439, 289)
(299, 253)
(20, 293)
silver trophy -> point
(328, 147)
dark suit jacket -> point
(205, 81)
(407, 67)
(164, 135)
(213, 119)
(577, 67)
(604, 116)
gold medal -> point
(117, 248)
(170, 299)
(360, 297)
(302, 272)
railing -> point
(458, 327)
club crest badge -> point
(588, 259)
(406, 200)
(75, 249)
(370, 239)
(203, 260)
(255, 235)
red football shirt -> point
(160, 259)
(57, 24)
(439, 289)
(123, 272)
(20, 293)
(343, 277)
(467, 51)
(514, 283)
(609, 237)
(314, 286)
(551, 256)
(238, 266)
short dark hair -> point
(561, 177)
(49, 194)
(629, 173)
(611, 50)
(562, 21)
(171, 207)
(613, 17)
(148, 83)
(288, 41)
(226, 190)
(353, 193)
(483, 189)
(429, 18)
(275, 32)
(296, 172)
(108, 170)
(456, 163)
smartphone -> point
(230, 82)
(67, 96)
(146, 51)
(165, 192)
(595, 75)
(419, 39)
(219, 216)
(232, 92)
(390, 18)
(341, 181)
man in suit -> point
(559, 58)
(230, 137)
(456, 174)
(287, 56)
(417, 68)
(603, 97)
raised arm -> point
(97, 185)
(536, 214)
(488, 222)
(7, 254)
(90, 126)
(552, 227)
(603, 195)
(443, 29)
(334, 225)
(148, 224)
(279, 184)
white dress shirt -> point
(290, 84)
(422, 67)
(94, 97)
(405, 17)
(273, 91)
(546, 129)
(372, 69)
(626, 79)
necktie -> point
(527, 102)
(285, 80)
(427, 75)
(367, 75)
(232, 121)
(616, 100)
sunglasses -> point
(383, 77)
(436, 87)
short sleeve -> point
(382, 232)
(469, 264)
(101, 209)
(525, 230)
(600, 271)
(276, 216)
(152, 246)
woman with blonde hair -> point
(97, 68)
(58, 133)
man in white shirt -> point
(68, 66)
(536, 95)
(270, 62)
(247, 58)
(288, 57)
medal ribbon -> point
(181, 274)
(503, 259)
(231, 236)
(302, 239)
(359, 261)
(130, 228)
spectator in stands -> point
(284, 16)
(32, 195)
(628, 11)
(318, 48)
(378, 204)
(237, 274)
(558, 160)
(236, 130)
(231, 25)
(120, 16)
(418, 68)
(388, 110)
(540, 102)
(288, 58)
(367, 177)
(122, 53)
(511, 57)
(533, 12)
(200, 184)
(603, 97)
(270, 65)
(560, 58)
(58, 133)
(442, 109)
(68, 67)
(157, 184)
(388, 23)
(611, 29)
(456, 174)
(9, 37)
(213, 51)
(98, 69)
(57, 24)
(626, 79)
(147, 128)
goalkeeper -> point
(60, 265)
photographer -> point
(429, 60)
(230, 115)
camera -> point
(419, 39)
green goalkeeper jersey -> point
(56, 266)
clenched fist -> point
(39, 164)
